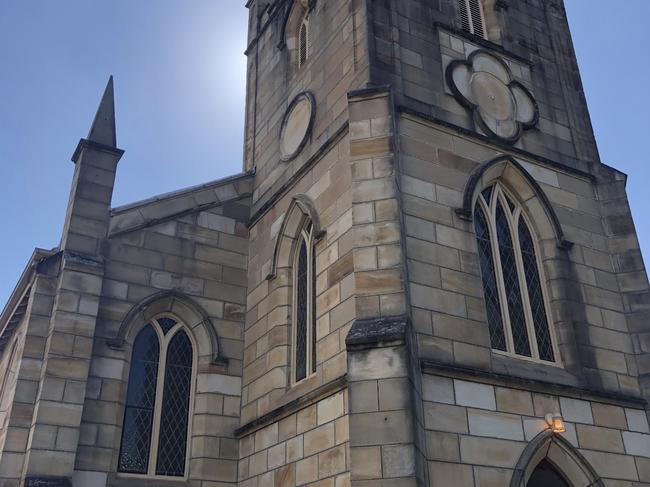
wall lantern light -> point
(555, 423)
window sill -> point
(130, 480)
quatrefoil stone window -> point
(501, 106)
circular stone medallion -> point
(493, 97)
(296, 125)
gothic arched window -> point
(157, 410)
(517, 310)
(304, 305)
(546, 474)
(303, 42)
(472, 17)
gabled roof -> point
(167, 206)
(16, 306)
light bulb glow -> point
(555, 423)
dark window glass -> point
(313, 309)
(301, 313)
(175, 407)
(495, 323)
(141, 397)
(303, 44)
(540, 320)
(166, 324)
(487, 194)
(545, 475)
(511, 284)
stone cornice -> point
(291, 407)
(534, 385)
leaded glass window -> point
(303, 43)
(157, 410)
(511, 272)
(304, 307)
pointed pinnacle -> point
(103, 128)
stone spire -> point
(96, 158)
(102, 130)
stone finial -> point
(102, 130)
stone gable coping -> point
(16, 305)
(167, 206)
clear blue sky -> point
(180, 78)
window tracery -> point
(157, 410)
(304, 312)
(516, 306)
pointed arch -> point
(301, 207)
(296, 11)
(562, 455)
(156, 429)
(512, 174)
(176, 304)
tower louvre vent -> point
(472, 19)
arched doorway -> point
(550, 460)
(545, 475)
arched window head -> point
(472, 17)
(157, 412)
(546, 474)
(304, 305)
(303, 42)
(515, 300)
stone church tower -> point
(424, 276)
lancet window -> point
(304, 305)
(157, 411)
(516, 305)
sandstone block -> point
(475, 395)
(495, 425)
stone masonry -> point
(391, 148)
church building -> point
(424, 276)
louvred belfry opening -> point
(472, 17)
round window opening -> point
(296, 125)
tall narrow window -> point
(303, 42)
(157, 411)
(304, 312)
(514, 298)
(472, 18)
